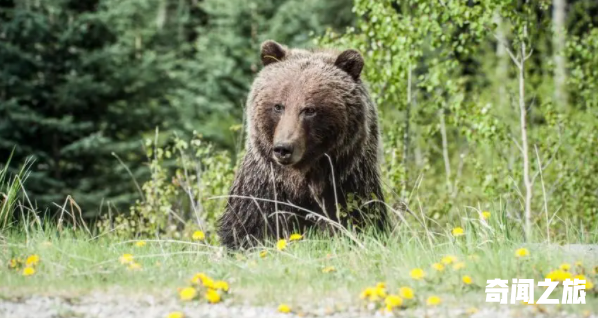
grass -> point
(73, 263)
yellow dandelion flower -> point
(367, 293)
(209, 283)
(212, 296)
(558, 275)
(198, 278)
(381, 285)
(521, 252)
(13, 263)
(458, 231)
(176, 314)
(134, 266)
(472, 310)
(263, 254)
(140, 243)
(281, 245)
(295, 237)
(438, 267)
(284, 308)
(380, 291)
(565, 266)
(198, 236)
(589, 285)
(406, 292)
(32, 260)
(486, 215)
(417, 273)
(579, 264)
(433, 301)
(467, 280)
(458, 266)
(449, 259)
(28, 271)
(328, 269)
(392, 302)
(222, 285)
(187, 293)
(126, 259)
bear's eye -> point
(278, 108)
(309, 112)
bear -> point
(312, 150)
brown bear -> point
(312, 149)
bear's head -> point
(306, 104)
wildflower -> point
(589, 285)
(32, 260)
(187, 293)
(521, 252)
(433, 301)
(28, 271)
(459, 265)
(558, 275)
(467, 280)
(406, 292)
(366, 293)
(222, 285)
(281, 245)
(263, 254)
(295, 237)
(328, 269)
(212, 296)
(392, 302)
(417, 273)
(126, 259)
(198, 278)
(13, 263)
(449, 259)
(565, 267)
(438, 266)
(175, 314)
(458, 231)
(209, 283)
(198, 236)
(380, 290)
(486, 215)
(140, 243)
(373, 293)
(134, 266)
(579, 264)
(283, 308)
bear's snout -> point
(283, 152)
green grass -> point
(73, 263)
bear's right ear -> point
(272, 52)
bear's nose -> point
(283, 151)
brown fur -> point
(316, 102)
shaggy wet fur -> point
(340, 149)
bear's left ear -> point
(351, 62)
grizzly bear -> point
(312, 150)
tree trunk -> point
(558, 45)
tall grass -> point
(10, 187)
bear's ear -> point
(351, 62)
(272, 52)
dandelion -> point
(579, 264)
(380, 290)
(13, 263)
(589, 285)
(406, 292)
(221, 285)
(209, 283)
(467, 280)
(459, 265)
(134, 266)
(28, 271)
(521, 252)
(295, 237)
(175, 314)
(417, 273)
(328, 269)
(438, 267)
(558, 275)
(433, 301)
(198, 278)
(263, 254)
(187, 293)
(198, 236)
(284, 308)
(458, 231)
(212, 296)
(126, 259)
(486, 215)
(373, 294)
(449, 259)
(32, 260)
(281, 245)
(366, 293)
(565, 266)
(392, 302)
(140, 243)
